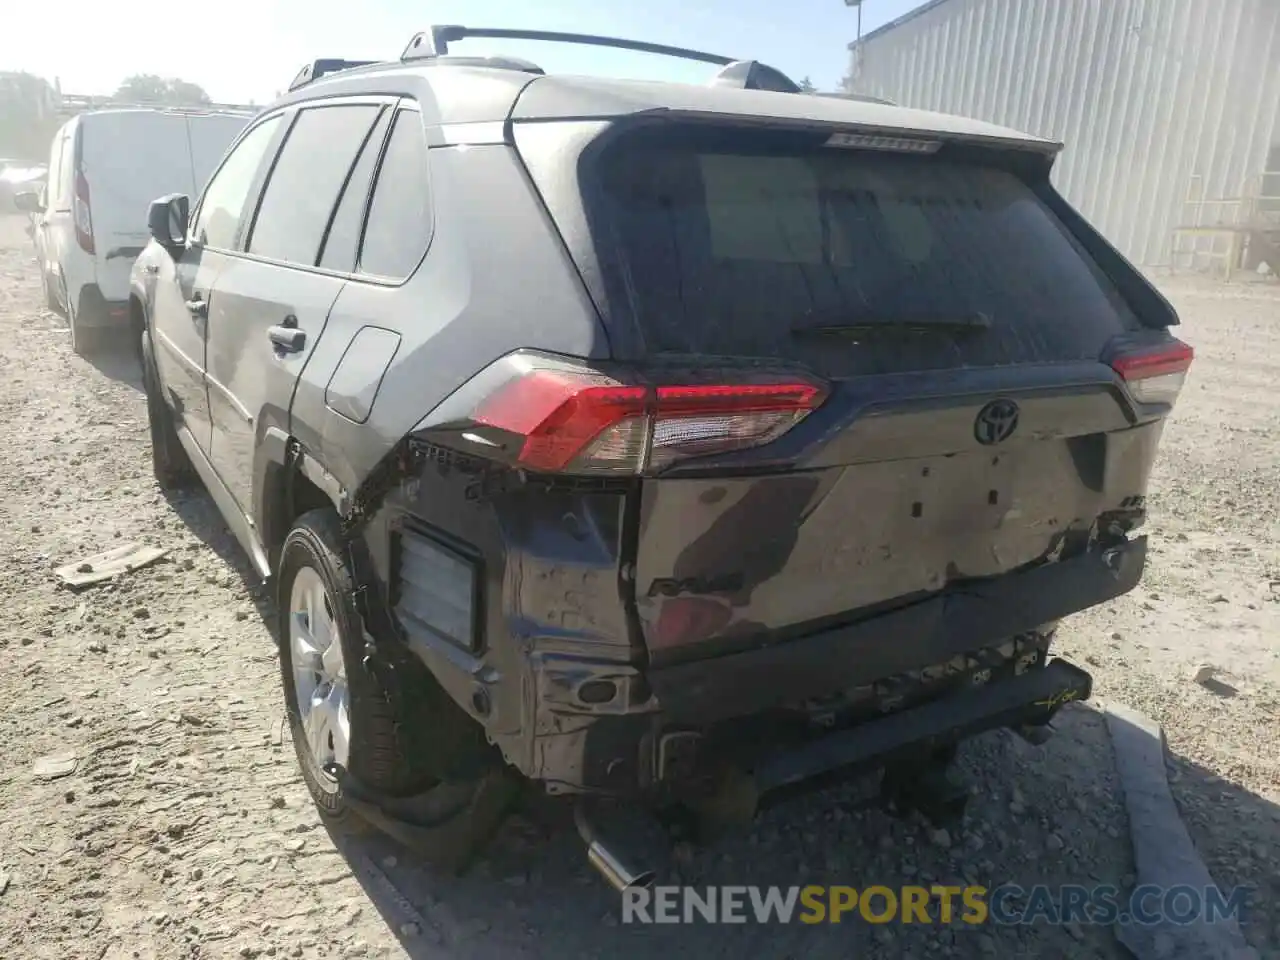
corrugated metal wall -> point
(1145, 93)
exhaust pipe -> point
(617, 872)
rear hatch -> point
(962, 423)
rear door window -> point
(399, 226)
(303, 186)
(730, 243)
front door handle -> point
(197, 307)
(287, 339)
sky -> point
(243, 51)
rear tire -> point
(358, 724)
(50, 297)
(85, 341)
(169, 461)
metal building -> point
(1170, 109)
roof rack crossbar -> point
(435, 41)
(319, 68)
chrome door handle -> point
(197, 307)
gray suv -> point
(674, 444)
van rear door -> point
(210, 135)
(127, 158)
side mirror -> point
(167, 220)
(28, 202)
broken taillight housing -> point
(1155, 374)
(555, 416)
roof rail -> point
(317, 69)
(70, 105)
(746, 74)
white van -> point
(105, 168)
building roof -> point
(894, 24)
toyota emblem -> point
(996, 422)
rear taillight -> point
(1156, 374)
(552, 416)
(80, 213)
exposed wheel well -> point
(288, 494)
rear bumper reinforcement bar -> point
(1030, 698)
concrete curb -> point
(1162, 849)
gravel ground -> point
(184, 830)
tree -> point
(28, 116)
(149, 88)
(806, 86)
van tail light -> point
(80, 213)
(552, 416)
(1155, 374)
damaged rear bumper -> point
(667, 726)
(954, 623)
(1031, 698)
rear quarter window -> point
(727, 243)
(399, 225)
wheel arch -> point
(138, 321)
(289, 481)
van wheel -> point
(51, 297)
(169, 461)
(340, 713)
(85, 341)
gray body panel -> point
(462, 308)
(251, 382)
(180, 340)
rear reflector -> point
(581, 420)
(1155, 375)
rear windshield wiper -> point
(961, 323)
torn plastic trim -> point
(297, 457)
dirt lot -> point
(184, 830)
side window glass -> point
(62, 182)
(343, 241)
(218, 219)
(55, 170)
(304, 184)
(399, 225)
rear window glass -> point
(728, 248)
